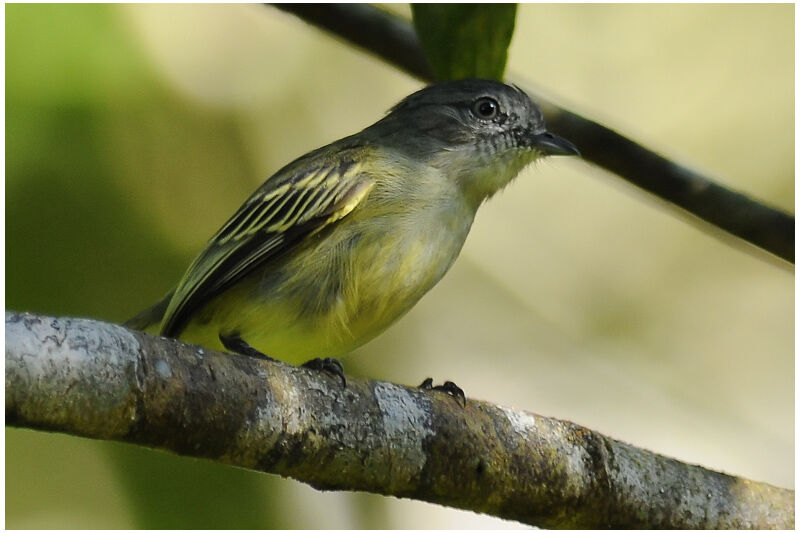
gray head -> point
(474, 111)
(481, 132)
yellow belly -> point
(333, 294)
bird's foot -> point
(447, 387)
(329, 365)
(236, 344)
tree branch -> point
(103, 381)
(394, 40)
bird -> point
(343, 241)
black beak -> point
(551, 144)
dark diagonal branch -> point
(394, 40)
(103, 381)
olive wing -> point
(286, 209)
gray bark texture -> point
(102, 381)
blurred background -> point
(134, 131)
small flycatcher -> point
(340, 243)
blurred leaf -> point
(465, 40)
(48, 59)
(172, 492)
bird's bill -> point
(551, 144)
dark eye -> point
(485, 108)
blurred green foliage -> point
(62, 67)
(76, 245)
(465, 40)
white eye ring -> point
(485, 108)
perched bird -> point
(340, 243)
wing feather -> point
(279, 215)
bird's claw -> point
(447, 387)
(329, 365)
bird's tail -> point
(149, 320)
